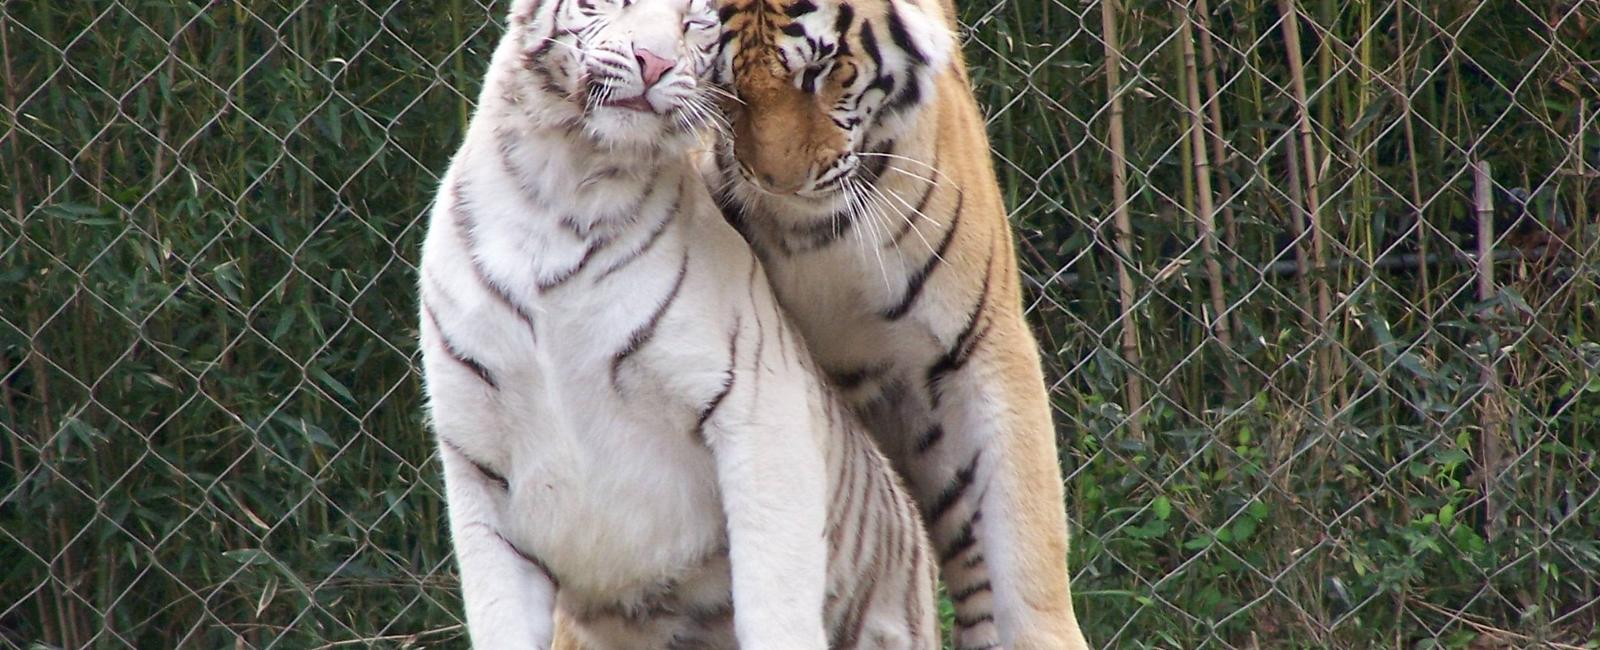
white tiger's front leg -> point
(510, 597)
(771, 474)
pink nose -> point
(651, 67)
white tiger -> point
(632, 435)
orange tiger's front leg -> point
(1030, 547)
(991, 493)
(565, 638)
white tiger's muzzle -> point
(642, 69)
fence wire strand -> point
(1314, 282)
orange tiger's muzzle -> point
(782, 137)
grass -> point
(207, 383)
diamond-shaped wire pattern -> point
(1315, 284)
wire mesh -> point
(1314, 282)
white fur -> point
(613, 482)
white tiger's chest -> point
(605, 480)
(596, 488)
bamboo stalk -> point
(1297, 227)
(1327, 14)
(1359, 230)
(1313, 205)
(1580, 204)
(6, 391)
(1406, 115)
(1253, 111)
(1208, 60)
(1489, 442)
(1202, 176)
(1185, 224)
(60, 609)
(1124, 225)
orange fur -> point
(782, 137)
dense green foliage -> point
(212, 434)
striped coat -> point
(632, 433)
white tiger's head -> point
(631, 73)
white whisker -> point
(919, 177)
(856, 206)
(940, 173)
(724, 94)
(725, 180)
(879, 219)
(711, 110)
(913, 210)
(699, 114)
(701, 119)
(908, 220)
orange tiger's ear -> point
(931, 34)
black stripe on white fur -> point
(643, 334)
(472, 365)
(461, 220)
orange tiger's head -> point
(820, 83)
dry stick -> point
(1119, 196)
(1202, 176)
(1208, 60)
(1324, 356)
(1479, 624)
(1489, 443)
(409, 639)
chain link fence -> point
(1315, 283)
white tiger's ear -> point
(532, 19)
(929, 32)
(533, 29)
(522, 12)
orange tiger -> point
(859, 170)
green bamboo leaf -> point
(332, 384)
